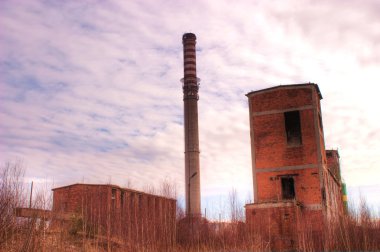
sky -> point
(90, 90)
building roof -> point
(113, 186)
(287, 86)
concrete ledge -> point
(287, 168)
(273, 204)
(41, 214)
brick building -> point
(333, 183)
(293, 178)
(118, 212)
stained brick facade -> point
(291, 176)
(333, 182)
(119, 212)
(275, 223)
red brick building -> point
(292, 177)
(118, 212)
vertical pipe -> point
(31, 195)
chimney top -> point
(188, 36)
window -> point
(293, 128)
(113, 196)
(287, 186)
(323, 192)
(122, 198)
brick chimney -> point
(190, 98)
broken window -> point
(122, 198)
(323, 191)
(113, 196)
(287, 186)
(293, 128)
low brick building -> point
(126, 214)
(292, 176)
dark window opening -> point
(122, 198)
(287, 186)
(293, 128)
(323, 194)
(113, 196)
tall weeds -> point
(356, 231)
(11, 196)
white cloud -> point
(90, 90)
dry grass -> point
(357, 231)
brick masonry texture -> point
(191, 131)
(119, 212)
(317, 185)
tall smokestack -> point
(190, 99)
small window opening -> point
(140, 203)
(113, 196)
(323, 194)
(293, 128)
(287, 185)
(122, 198)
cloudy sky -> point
(90, 90)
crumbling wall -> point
(275, 223)
(306, 190)
(117, 212)
(273, 155)
(296, 186)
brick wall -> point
(317, 191)
(273, 156)
(119, 212)
(270, 141)
(276, 223)
(282, 97)
(307, 189)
